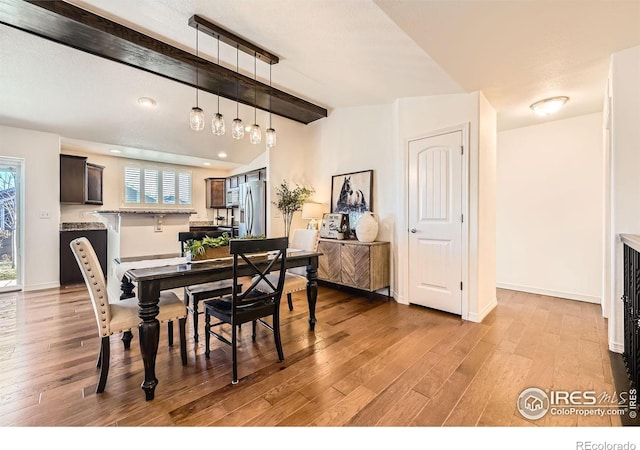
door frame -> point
(464, 130)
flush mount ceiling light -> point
(222, 155)
(549, 105)
(147, 102)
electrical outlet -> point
(277, 215)
(45, 215)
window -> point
(154, 185)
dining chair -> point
(117, 316)
(250, 305)
(204, 291)
(295, 279)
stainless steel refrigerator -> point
(253, 209)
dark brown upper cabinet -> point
(80, 181)
(216, 193)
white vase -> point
(367, 227)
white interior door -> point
(435, 222)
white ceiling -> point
(332, 53)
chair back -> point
(186, 236)
(304, 239)
(241, 249)
(94, 279)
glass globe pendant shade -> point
(196, 119)
(255, 134)
(217, 125)
(237, 129)
(270, 136)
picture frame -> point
(352, 194)
(333, 226)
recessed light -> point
(113, 150)
(222, 155)
(147, 102)
(206, 163)
(549, 105)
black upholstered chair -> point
(252, 304)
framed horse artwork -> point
(351, 193)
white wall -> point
(40, 152)
(422, 116)
(550, 208)
(485, 263)
(624, 190)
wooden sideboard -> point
(360, 265)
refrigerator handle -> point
(250, 211)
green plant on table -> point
(198, 247)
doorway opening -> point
(10, 224)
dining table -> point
(151, 275)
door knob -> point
(413, 230)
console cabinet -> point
(361, 265)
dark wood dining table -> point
(151, 280)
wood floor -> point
(368, 363)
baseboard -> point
(479, 317)
(616, 347)
(550, 293)
(39, 287)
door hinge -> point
(462, 218)
(462, 149)
(461, 285)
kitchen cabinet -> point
(360, 265)
(216, 193)
(69, 270)
(80, 181)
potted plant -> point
(289, 201)
(212, 247)
(203, 248)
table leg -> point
(126, 287)
(149, 331)
(312, 294)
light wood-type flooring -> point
(369, 363)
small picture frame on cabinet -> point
(335, 226)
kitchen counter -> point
(146, 211)
(82, 226)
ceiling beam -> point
(69, 25)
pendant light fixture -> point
(196, 117)
(270, 134)
(255, 135)
(217, 123)
(237, 127)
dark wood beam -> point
(69, 25)
(226, 36)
